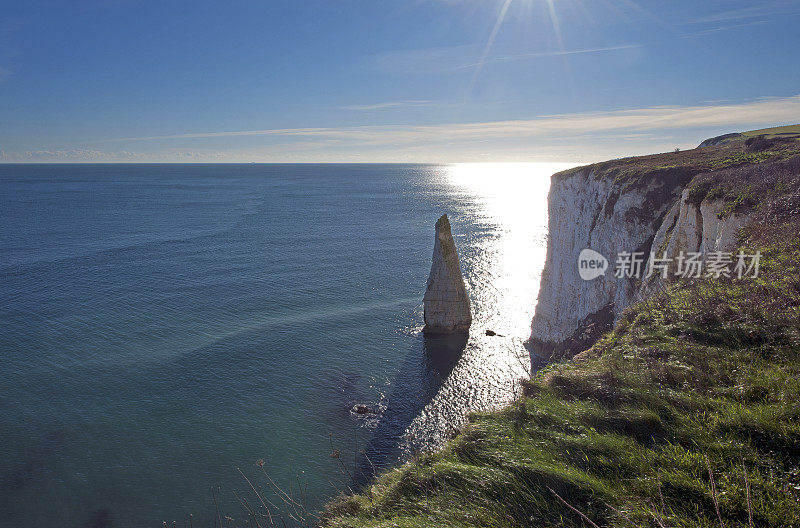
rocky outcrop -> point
(721, 140)
(590, 211)
(689, 227)
(447, 308)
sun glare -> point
(512, 196)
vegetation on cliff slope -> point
(687, 414)
(681, 166)
(786, 131)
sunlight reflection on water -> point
(502, 266)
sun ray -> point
(499, 22)
(636, 7)
(554, 20)
(556, 24)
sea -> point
(176, 336)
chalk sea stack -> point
(447, 309)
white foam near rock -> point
(447, 308)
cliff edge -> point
(638, 214)
(607, 208)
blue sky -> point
(373, 80)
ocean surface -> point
(163, 327)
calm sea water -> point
(163, 325)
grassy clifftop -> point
(744, 148)
(687, 414)
(786, 131)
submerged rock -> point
(360, 408)
(447, 308)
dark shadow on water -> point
(442, 352)
(421, 376)
(36, 464)
(99, 519)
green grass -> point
(742, 159)
(743, 186)
(788, 130)
(693, 399)
(677, 169)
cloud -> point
(100, 156)
(753, 10)
(388, 104)
(429, 61)
(759, 112)
(712, 31)
(425, 61)
(64, 155)
(528, 56)
(588, 136)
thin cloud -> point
(80, 155)
(388, 104)
(759, 112)
(762, 9)
(527, 56)
(453, 59)
(712, 31)
(424, 61)
(76, 154)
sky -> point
(388, 80)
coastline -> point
(677, 415)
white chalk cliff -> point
(689, 227)
(588, 211)
(447, 308)
(591, 212)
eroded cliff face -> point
(447, 307)
(610, 216)
(587, 211)
(689, 227)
